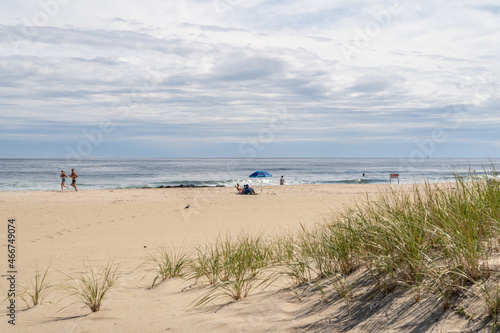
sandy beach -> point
(71, 228)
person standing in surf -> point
(73, 176)
(63, 177)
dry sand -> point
(72, 228)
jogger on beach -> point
(63, 177)
(73, 176)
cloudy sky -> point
(249, 78)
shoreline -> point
(80, 189)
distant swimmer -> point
(73, 177)
(363, 174)
(63, 177)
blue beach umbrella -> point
(260, 174)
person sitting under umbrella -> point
(248, 190)
(245, 189)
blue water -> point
(28, 174)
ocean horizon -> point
(42, 174)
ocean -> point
(35, 174)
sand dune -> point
(69, 228)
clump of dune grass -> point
(93, 285)
(433, 222)
(37, 288)
(392, 237)
(168, 264)
(293, 258)
(208, 264)
(335, 249)
(323, 252)
(232, 267)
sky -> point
(249, 78)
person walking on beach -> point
(73, 176)
(282, 181)
(63, 177)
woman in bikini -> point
(63, 177)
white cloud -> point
(223, 65)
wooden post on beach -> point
(393, 176)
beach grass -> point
(168, 264)
(93, 285)
(433, 233)
(37, 288)
(232, 267)
(292, 258)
